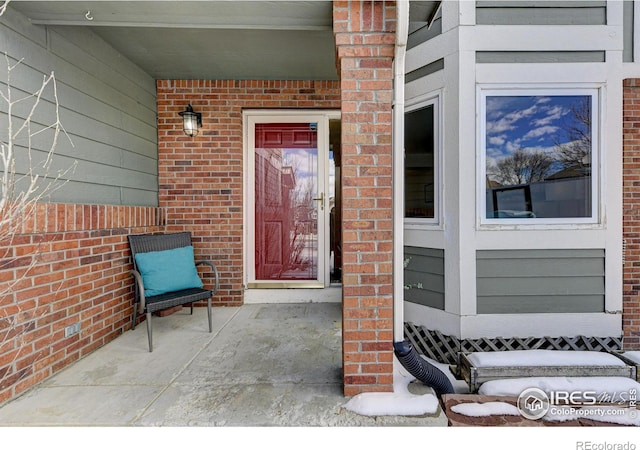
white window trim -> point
(414, 105)
(595, 91)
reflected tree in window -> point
(522, 167)
(576, 152)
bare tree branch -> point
(3, 6)
(22, 188)
(576, 152)
(26, 179)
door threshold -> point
(332, 294)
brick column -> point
(365, 37)
(631, 213)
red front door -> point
(286, 201)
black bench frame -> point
(143, 243)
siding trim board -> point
(549, 304)
(540, 281)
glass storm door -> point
(288, 203)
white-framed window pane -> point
(419, 164)
(538, 155)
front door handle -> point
(321, 200)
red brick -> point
(631, 204)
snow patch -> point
(604, 387)
(392, 404)
(486, 409)
(543, 358)
(400, 402)
(632, 356)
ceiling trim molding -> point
(207, 26)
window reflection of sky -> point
(304, 161)
(535, 123)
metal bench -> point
(143, 243)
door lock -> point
(321, 200)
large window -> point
(539, 155)
(421, 159)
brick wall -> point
(631, 213)
(201, 178)
(68, 263)
(365, 37)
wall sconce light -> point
(191, 121)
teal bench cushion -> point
(168, 270)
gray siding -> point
(424, 71)
(424, 276)
(627, 30)
(540, 281)
(107, 107)
(540, 57)
(522, 12)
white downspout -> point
(402, 33)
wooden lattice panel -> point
(433, 344)
(445, 349)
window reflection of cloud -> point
(507, 130)
(304, 161)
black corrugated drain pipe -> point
(421, 368)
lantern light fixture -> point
(191, 121)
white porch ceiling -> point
(228, 39)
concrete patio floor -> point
(264, 365)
